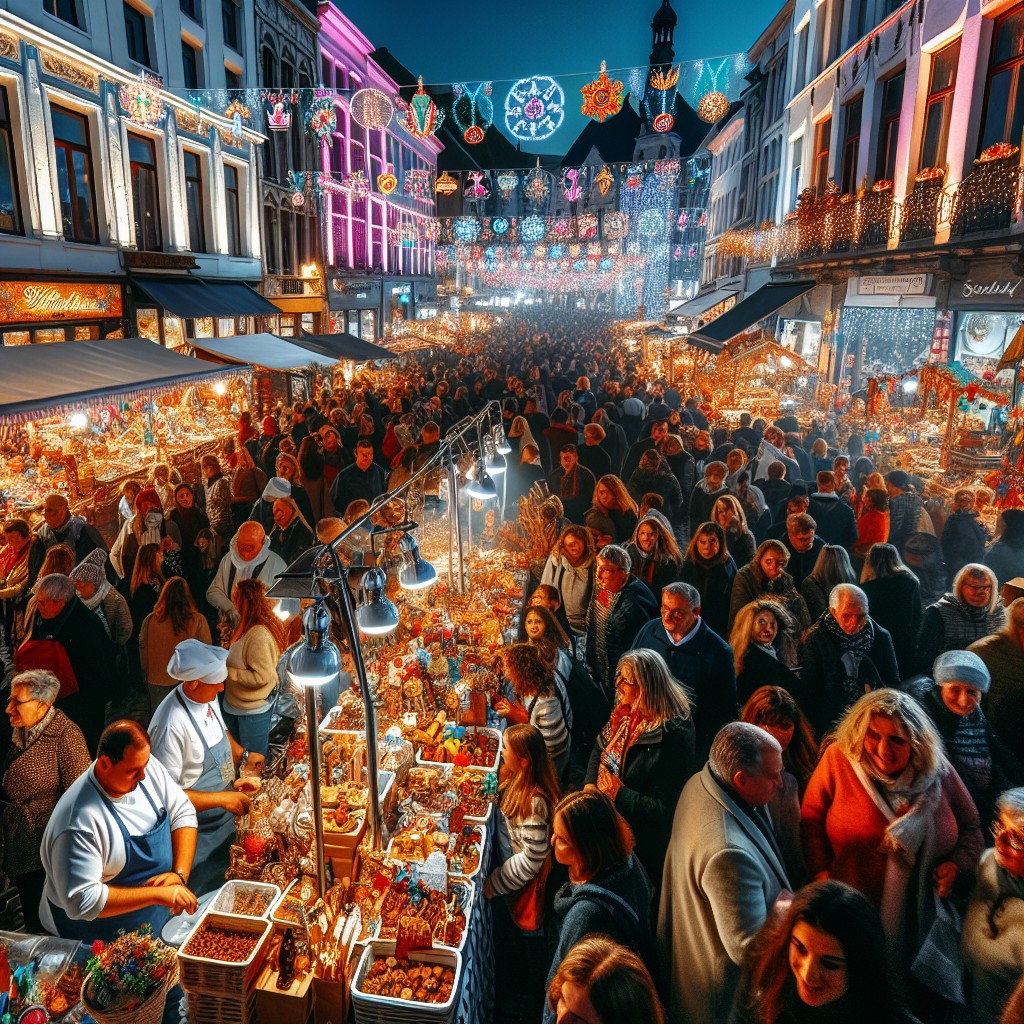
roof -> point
(614, 139)
(266, 350)
(41, 380)
(343, 346)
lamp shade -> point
(415, 572)
(481, 486)
(377, 615)
(317, 660)
(501, 445)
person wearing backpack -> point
(608, 891)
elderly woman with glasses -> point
(971, 610)
(47, 754)
(994, 923)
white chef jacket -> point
(82, 848)
(173, 734)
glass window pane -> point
(10, 215)
(17, 338)
(1017, 121)
(944, 67)
(68, 127)
(933, 118)
(994, 129)
(48, 336)
(140, 150)
(225, 328)
(83, 196)
(1009, 41)
(64, 192)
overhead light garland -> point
(423, 117)
(602, 98)
(446, 185)
(660, 99)
(371, 109)
(472, 110)
(534, 108)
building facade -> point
(116, 221)
(378, 250)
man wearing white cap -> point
(191, 741)
(249, 557)
(263, 510)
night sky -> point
(473, 41)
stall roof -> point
(266, 350)
(191, 297)
(756, 306)
(702, 303)
(41, 380)
(343, 346)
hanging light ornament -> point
(604, 180)
(532, 229)
(660, 98)
(237, 112)
(387, 182)
(321, 117)
(507, 182)
(417, 183)
(602, 98)
(372, 109)
(141, 101)
(446, 185)
(634, 175)
(536, 187)
(574, 183)
(278, 109)
(423, 117)
(472, 110)
(713, 107)
(477, 189)
(534, 108)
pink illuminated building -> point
(379, 264)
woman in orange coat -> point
(873, 524)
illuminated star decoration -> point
(423, 117)
(660, 98)
(372, 109)
(446, 185)
(574, 183)
(477, 190)
(387, 182)
(141, 101)
(604, 180)
(472, 110)
(534, 108)
(278, 109)
(321, 117)
(602, 98)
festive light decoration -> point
(473, 111)
(532, 229)
(387, 182)
(141, 101)
(660, 98)
(602, 98)
(723, 76)
(477, 190)
(604, 180)
(508, 182)
(574, 183)
(357, 185)
(466, 229)
(278, 109)
(534, 108)
(372, 109)
(417, 183)
(634, 176)
(536, 187)
(616, 224)
(237, 112)
(500, 226)
(321, 117)
(667, 174)
(446, 185)
(586, 226)
(423, 116)
(713, 107)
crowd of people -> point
(765, 716)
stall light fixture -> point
(78, 421)
(316, 661)
(481, 486)
(376, 614)
(415, 572)
(220, 388)
(501, 445)
(910, 385)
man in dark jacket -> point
(659, 431)
(365, 479)
(699, 658)
(62, 617)
(61, 527)
(836, 523)
(803, 545)
(904, 509)
(593, 455)
(619, 606)
(573, 484)
(744, 435)
(846, 655)
(963, 536)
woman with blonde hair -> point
(646, 752)
(613, 512)
(886, 813)
(655, 558)
(258, 642)
(764, 646)
(570, 570)
(729, 515)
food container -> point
(371, 1009)
(287, 897)
(493, 767)
(222, 977)
(243, 899)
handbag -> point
(527, 905)
(51, 656)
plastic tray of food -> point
(246, 899)
(243, 939)
(286, 911)
(462, 890)
(379, 1009)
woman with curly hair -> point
(729, 515)
(570, 570)
(654, 554)
(613, 512)
(764, 647)
(708, 566)
(766, 576)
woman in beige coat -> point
(250, 689)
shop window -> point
(822, 143)
(193, 8)
(288, 326)
(368, 325)
(307, 322)
(195, 201)
(233, 209)
(1004, 95)
(12, 338)
(48, 336)
(74, 175)
(145, 193)
(203, 327)
(326, 71)
(10, 206)
(86, 333)
(231, 18)
(851, 144)
(889, 127)
(148, 321)
(66, 10)
(137, 27)
(192, 66)
(225, 327)
(174, 336)
(939, 105)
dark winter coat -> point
(665, 484)
(656, 574)
(761, 669)
(701, 504)
(963, 540)
(836, 523)
(895, 604)
(1006, 557)
(634, 607)
(78, 535)
(715, 585)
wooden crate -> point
(290, 1006)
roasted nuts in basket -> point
(214, 943)
(404, 979)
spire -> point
(663, 28)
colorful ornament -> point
(237, 112)
(507, 182)
(141, 101)
(500, 226)
(534, 108)
(574, 183)
(446, 185)
(477, 189)
(417, 183)
(660, 98)
(713, 107)
(634, 175)
(667, 174)
(387, 182)
(321, 117)
(532, 229)
(604, 180)
(466, 229)
(586, 226)
(278, 109)
(616, 225)
(372, 109)
(535, 186)
(472, 110)
(423, 117)
(602, 98)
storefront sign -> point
(988, 285)
(31, 301)
(893, 284)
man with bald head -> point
(249, 557)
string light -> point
(534, 108)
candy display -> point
(404, 979)
(215, 943)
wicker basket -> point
(149, 1012)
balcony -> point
(277, 286)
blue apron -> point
(145, 856)
(216, 825)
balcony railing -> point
(279, 286)
(988, 200)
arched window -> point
(269, 82)
(270, 245)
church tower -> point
(653, 144)
(663, 28)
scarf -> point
(92, 603)
(766, 455)
(854, 650)
(623, 729)
(24, 738)
(67, 534)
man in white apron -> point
(191, 741)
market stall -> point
(755, 374)
(116, 408)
